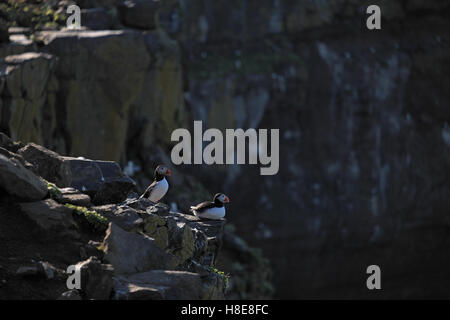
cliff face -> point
(362, 114)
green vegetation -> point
(53, 190)
(33, 14)
(221, 274)
(96, 220)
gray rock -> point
(18, 181)
(51, 216)
(18, 157)
(123, 216)
(139, 13)
(103, 181)
(96, 279)
(75, 197)
(47, 164)
(9, 144)
(25, 271)
(138, 204)
(41, 269)
(158, 284)
(47, 269)
(183, 235)
(70, 295)
(130, 252)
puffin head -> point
(163, 170)
(220, 197)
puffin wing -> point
(147, 192)
(203, 206)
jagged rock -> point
(70, 295)
(40, 269)
(96, 279)
(152, 222)
(51, 216)
(20, 182)
(7, 143)
(103, 181)
(47, 269)
(18, 157)
(47, 164)
(25, 271)
(93, 248)
(158, 284)
(160, 209)
(138, 204)
(181, 242)
(75, 197)
(130, 253)
(124, 217)
(139, 13)
(184, 235)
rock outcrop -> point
(130, 249)
(18, 181)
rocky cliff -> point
(364, 143)
(59, 213)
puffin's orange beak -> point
(169, 172)
(227, 199)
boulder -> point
(41, 269)
(103, 181)
(96, 279)
(20, 182)
(18, 157)
(47, 164)
(124, 217)
(75, 197)
(185, 236)
(139, 14)
(130, 252)
(158, 284)
(51, 216)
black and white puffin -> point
(159, 187)
(214, 210)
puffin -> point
(159, 187)
(213, 210)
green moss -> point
(53, 190)
(96, 220)
(221, 274)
